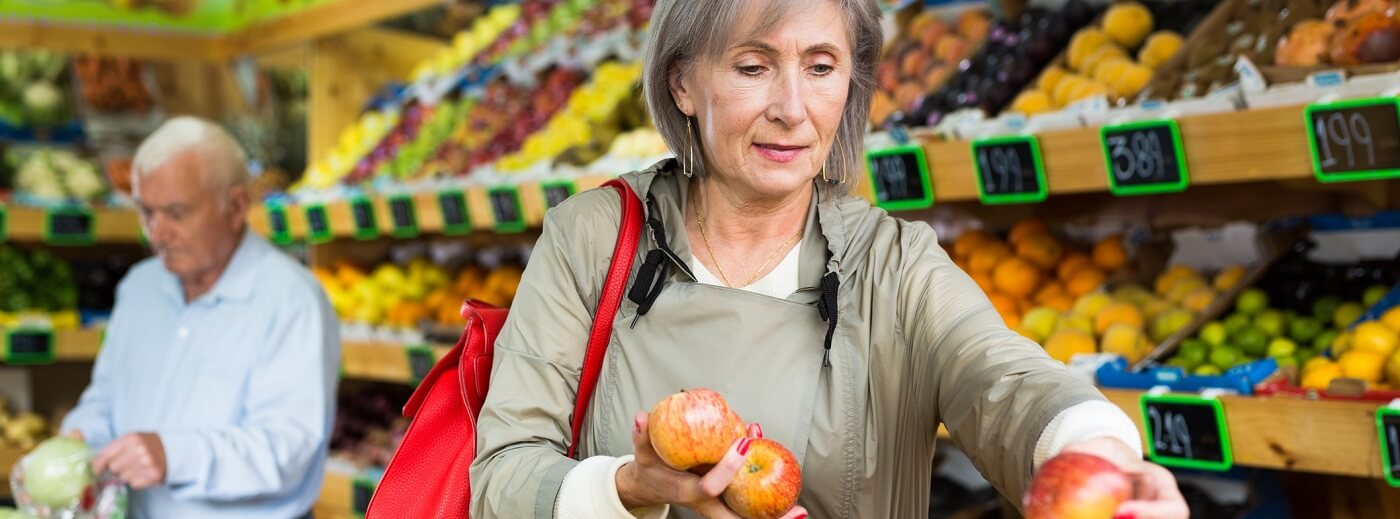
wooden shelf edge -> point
(381, 361)
(1318, 436)
(114, 225)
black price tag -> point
(318, 224)
(29, 346)
(505, 209)
(403, 217)
(362, 216)
(455, 218)
(1009, 170)
(900, 178)
(1355, 139)
(277, 226)
(556, 192)
(70, 226)
(361, 493)
(1144, 158)
(420, 362)
(1388, 425)
(1187, 432)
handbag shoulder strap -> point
(613, 287)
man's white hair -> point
(222, 162)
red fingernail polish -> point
(744, 446)
(803, 516)
(637, 426)
(1124, 515)
(758, 431)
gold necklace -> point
(720, 270)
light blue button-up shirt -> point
(239, 385)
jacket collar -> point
(823, 243)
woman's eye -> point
(823, 69)
(751, 70)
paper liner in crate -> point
(1240, 379)
(55, 481)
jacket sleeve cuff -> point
(590, 492)
(1084, 421)
(185, 457)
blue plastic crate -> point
(1240, 379)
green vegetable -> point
(57, 472)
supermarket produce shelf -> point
(1242, 146)
(383, 361)
(109, 225)
(75, 346)
(481, 210)
(313, 22)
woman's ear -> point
(680, 93)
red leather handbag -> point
(428, 476)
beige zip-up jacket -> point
(915, 343)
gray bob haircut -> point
(684, 31)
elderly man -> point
(214, 391)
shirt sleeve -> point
(590, 492)
(92, 417)
(1086, 421)
(287, 419)
(994, 389)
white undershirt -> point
(780, 282)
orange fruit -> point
(983, 280)
(1041, 250)
(1071, 263)
(1049, 290)
(1109, 254)
(1117, 313)
(968, 241)
(1016, 277)
(1084, 280)
(1062, 302)
(1025, 229)
(1007, 306)
(1065, 344)
(1365, 365)
(987, 255)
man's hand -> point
(138, 459)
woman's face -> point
(768, 108)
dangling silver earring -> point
(688, 166)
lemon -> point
(1365, 365)
(1391, 319)
(1374, 337)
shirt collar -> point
(236, 282)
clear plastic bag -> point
(55, 481)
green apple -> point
(1185, 364)
(1252, 301)
(1304, 329)
(1324, 339)
(1194, 350)
(1207, 370)
(1325, 307)
(1214, 333)
(1253, 341)
(1287, 361)
(1236, 322)
(1281, 347)
(1225, 357)
(1347, 313)
(1374, 294)
(1271, 322)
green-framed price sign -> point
(1186, 431)
(456, 219)
(1144, 157)
(362, 218)
(30, 346)
(403, 217)
(1009, 170)
(279, 228)
(506, 211)
(318, 224)
(420, 362)
(4, 224)
(70, 226)
(1388, 426)
(361, 493)
(900, 178)
(1356, 139)
(557, 192)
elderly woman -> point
(847, 333)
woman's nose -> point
(786, 104)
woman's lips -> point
(778, 152)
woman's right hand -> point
(648, 481)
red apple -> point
(1077, 486)
(693, 428)
(767, 484)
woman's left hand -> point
(1155, 494)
